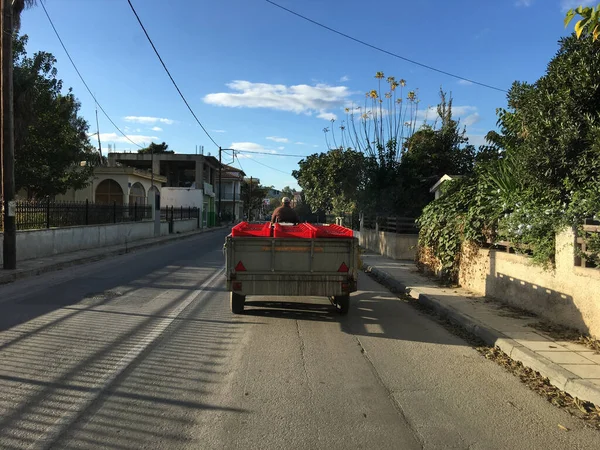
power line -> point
(269, 167)
(169, 73)
(239, 162)
(252, 152)
(385, 51)
(81, 77)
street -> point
(141, 351)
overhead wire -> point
(82, 80)
(267, 153)
(269, 167)
(169, 73)
(385, 51)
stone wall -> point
(566, 295)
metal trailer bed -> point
(268, 266)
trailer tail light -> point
(343, 268)
(240, 267)
(237, 286)
(345, 287)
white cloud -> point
(278, 139)
(566, 5)
(137, 138)
(299, 143)
(344, 79)
(218, 131)
(156, 129)
(327, 116)
(465, 83)
(280, 148)
(145, 120)
(300, 98)
(524, 3)
(471, 119)
(477, 139)
(430, 114)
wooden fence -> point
(398, 225)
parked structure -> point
(436, 189)
(190, 179)
(232, 205)
(120, 185)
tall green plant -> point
(379, 126)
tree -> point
(589, 24)
(52, 150)
(287, 192)
(156, 148)
(540, 173)
(274, 203)
(431, 152)
(253, 195)
(334, 181)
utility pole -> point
(220, 185)
(234, 205)
(98, 130)
(8, 138)
(250, 203)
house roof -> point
(230, 172)
(444, 178)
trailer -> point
(287, 260)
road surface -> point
(141, 351)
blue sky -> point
(261, 79)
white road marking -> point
(63, 422)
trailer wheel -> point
(342, 303)
(236, 302)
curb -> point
(558, 376)
(128, 248)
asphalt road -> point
(141, 351)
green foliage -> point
(252, 195)
(287, 192)
(156, 148)
(379, 126)
(430, 153)
(466, 212)
(51, 140)
(540, 174)
(333, 181)
(589, 22)
(386, 179)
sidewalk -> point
(33, 267)
(569, 366)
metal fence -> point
(172, 213)
(37, 215)
(399, 225)
(31, 215)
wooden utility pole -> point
(220, 185)
(7, 139)
(250, 203)
(98, 131)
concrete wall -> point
(183, 226)
(566, 295)
(177, 197)
(392, 245)
(43, 243)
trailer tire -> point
(342, 303)
(236, 301)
